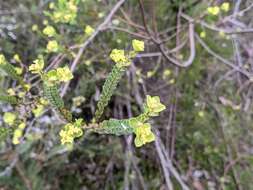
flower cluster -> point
(142, 130)
(153, 106)
(121, 58)
(65, 11)
(40, 106)
(71, 131)
(37, 66)
(61, 74)
(18, 133)
(58, 75)
(64, 74)
(215, 10)
(20, 94)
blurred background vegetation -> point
(205, 136)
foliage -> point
(75, 119)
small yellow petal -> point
(225, 6)
(138, 45)
(2, 59)
(9, 118)
(203, 34)
(52, 46)
(11, 92)
(64, 74)
(49, 31)
(89, 30)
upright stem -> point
(108, 89)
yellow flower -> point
(87, 62)
(225, 6)
(21, 94)
(34, 27)
(21, 126)
(52, 46)
(49, 31)
(171, 81)
(210, 10)
(11, 92)
(9, 118)
(45, 22)
(72, 7)
(66, 138)
(18, 70)
(71, 131)
(89, 30)
(17, 58)
(203, 34)
(15, 141)
(51, 77)
(75, 131)
(17, 133)
(201, 114)
(138, 45)
(64, 11)
(38, 110)
(27, 87)
(143, 134)
(101, 14)
(51, 5)
(213, 10)
(37, 66)
(2, 59)
(43, 101)
(222, 34)
(77, 101)
(64, 74)
(118, 56)
(57, 16)
(167, 72)
(154, 106)
(150, 74)
(67, 17)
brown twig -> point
(161, 47)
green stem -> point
(108, 89)
(116, 126)
(52, 95)
(11, 72)
(9, 99)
